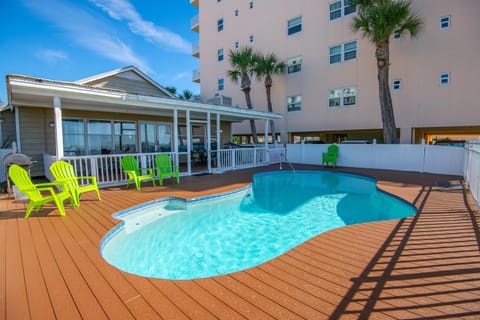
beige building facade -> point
(329, 91)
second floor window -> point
(294, 103)
(445, 22)
(444, 79)
(294, 65)
(342, 97)
(294, 25)
(221, 84)
(220, 25)
(396, 85)
(343, 52)
(220, 54)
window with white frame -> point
(124, 137)
(236, 13)
(396, 35)
(221, 84)
(396, 85)
(294, 65)
(294, 25)
(294, 103)
(220, 24)
(220, 54)
(73, 137)
(250, 5)
(340, 9)
(444, 79)
(343, 52)
(251, 38)
(343, 97)
(235, 44)
(445, 22)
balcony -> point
(194, 3)
(196, 76)
(196, 49)
(194, 24)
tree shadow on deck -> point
(429, 266)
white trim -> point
(209, 146)
(17, 129)
(57, 113)
(188, 128)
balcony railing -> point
(196, 49)
(194, 23)
(196, 75)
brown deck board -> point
(423, 267)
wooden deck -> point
(424, 267)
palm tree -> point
(378, 20)
(266, 66)
(243, 64)
(186, 95)
(171, 89)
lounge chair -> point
(330, 156)
(134, 172)
(64, 171)
(165, 169)
(22, 181)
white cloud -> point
(183, 75)
(124, 10)
(51, 56)
(86, 30)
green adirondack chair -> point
(330, 156)
(165, 169)
(22, 181)
(64, 171)
(134, 172)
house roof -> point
(108, 74)
(39, 92)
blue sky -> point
(69, 40)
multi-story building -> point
(329, 91)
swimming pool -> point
(177, 239)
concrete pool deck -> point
(423, 267)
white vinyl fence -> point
(404, 157)
(472, 169)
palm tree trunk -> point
(388, 118)
(270, 109)
(253, 128)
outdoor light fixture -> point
(51, 124)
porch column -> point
(266, 141)
(189, 138)
(57, 115)
(175, 136)
(219, 142)
(209, 146)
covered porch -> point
(93, 128)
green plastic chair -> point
(64, 171)
(330, 156)
(165, 169)
(134, 172)
(22, 181)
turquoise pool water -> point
(177, 239)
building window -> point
(445, 22)
(396, 85)
(220, 25)
(294, 103)
(294, 25)
(236, 44)
(124, 137)
(250, 5)
(342, 97)
(445, 79)
(396, 35)
(220, 54)
(294, 65)
(343, 52)
(251, 38)
(219, 1)
(73, 137)
(341, 8)
(221, 84)
(236, 13)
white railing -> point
(472, 169)
(108, 170)
(403, 157)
